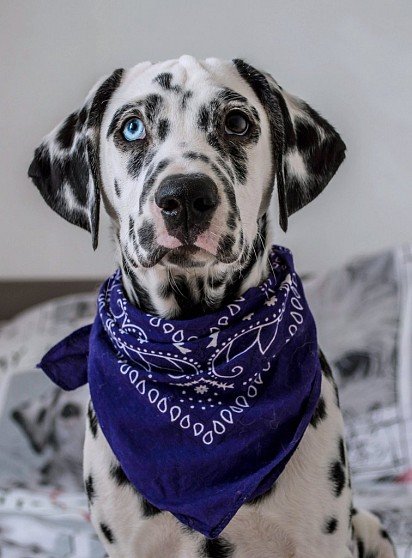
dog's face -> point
(183, 147)
(186, 155)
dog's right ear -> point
(66, 167)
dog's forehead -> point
(198, 79)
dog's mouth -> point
(187, 256)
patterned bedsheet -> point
(364, 317)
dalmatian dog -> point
(195, 161)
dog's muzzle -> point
(188, 202)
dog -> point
(193, 161)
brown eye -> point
(236, 123)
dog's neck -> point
(178, 292)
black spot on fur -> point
(135, 163)
(342, 451)
(225, 247)
(107, 532)
(148, 509)
(89, 487)
(185, 97)
(92, 419)
(150, 180)
(330, 526)
(194, 156)
(117, 188)
(163, 129)
(217, 548)
(320, 412)
(153, 104)
(67, 132)
(117, 473)
(203, 118)
(337, 477)
(164, 80)
(361, 549)
(327, 372)
(146, 235)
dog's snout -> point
(188, 202)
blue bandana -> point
(202, 414)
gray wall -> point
(350, 59)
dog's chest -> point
(279, 523)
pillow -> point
(363, 313)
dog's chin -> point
(188, 256)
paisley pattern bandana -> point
(202, 414)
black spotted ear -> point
(307, 149)
(66, 168)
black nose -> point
(188, 202)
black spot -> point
(320, 412)
(327, 372)
(117, 188)
(135, 163)
(361, 549)
(306, 135)
(193, 155)
(330, 526)
(92, 419)
(342, 451)
(353, 511)
(89, 486)
(107, 532)
(117, 473)
(143, 298)
(337, 477)
(164, 80)
(150, 180)
(385, 534)
(163, 129)
(185, 97)
(70, 410)
(153, 104)
(146, 235)
(41, 416)
(225, 246)
(218, 548)
(148, 509)
(203, 118)
(66, 133)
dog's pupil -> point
(236, 123)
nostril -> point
(169, 205)
(203, 204)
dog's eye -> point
(134, 130)
(236, 123)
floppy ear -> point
(307, 149)
(66, 167)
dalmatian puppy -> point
(195, 161)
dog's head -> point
(186, 155)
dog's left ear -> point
(307, 149)
(66, 168)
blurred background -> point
(352, 61)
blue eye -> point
(134, 130)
